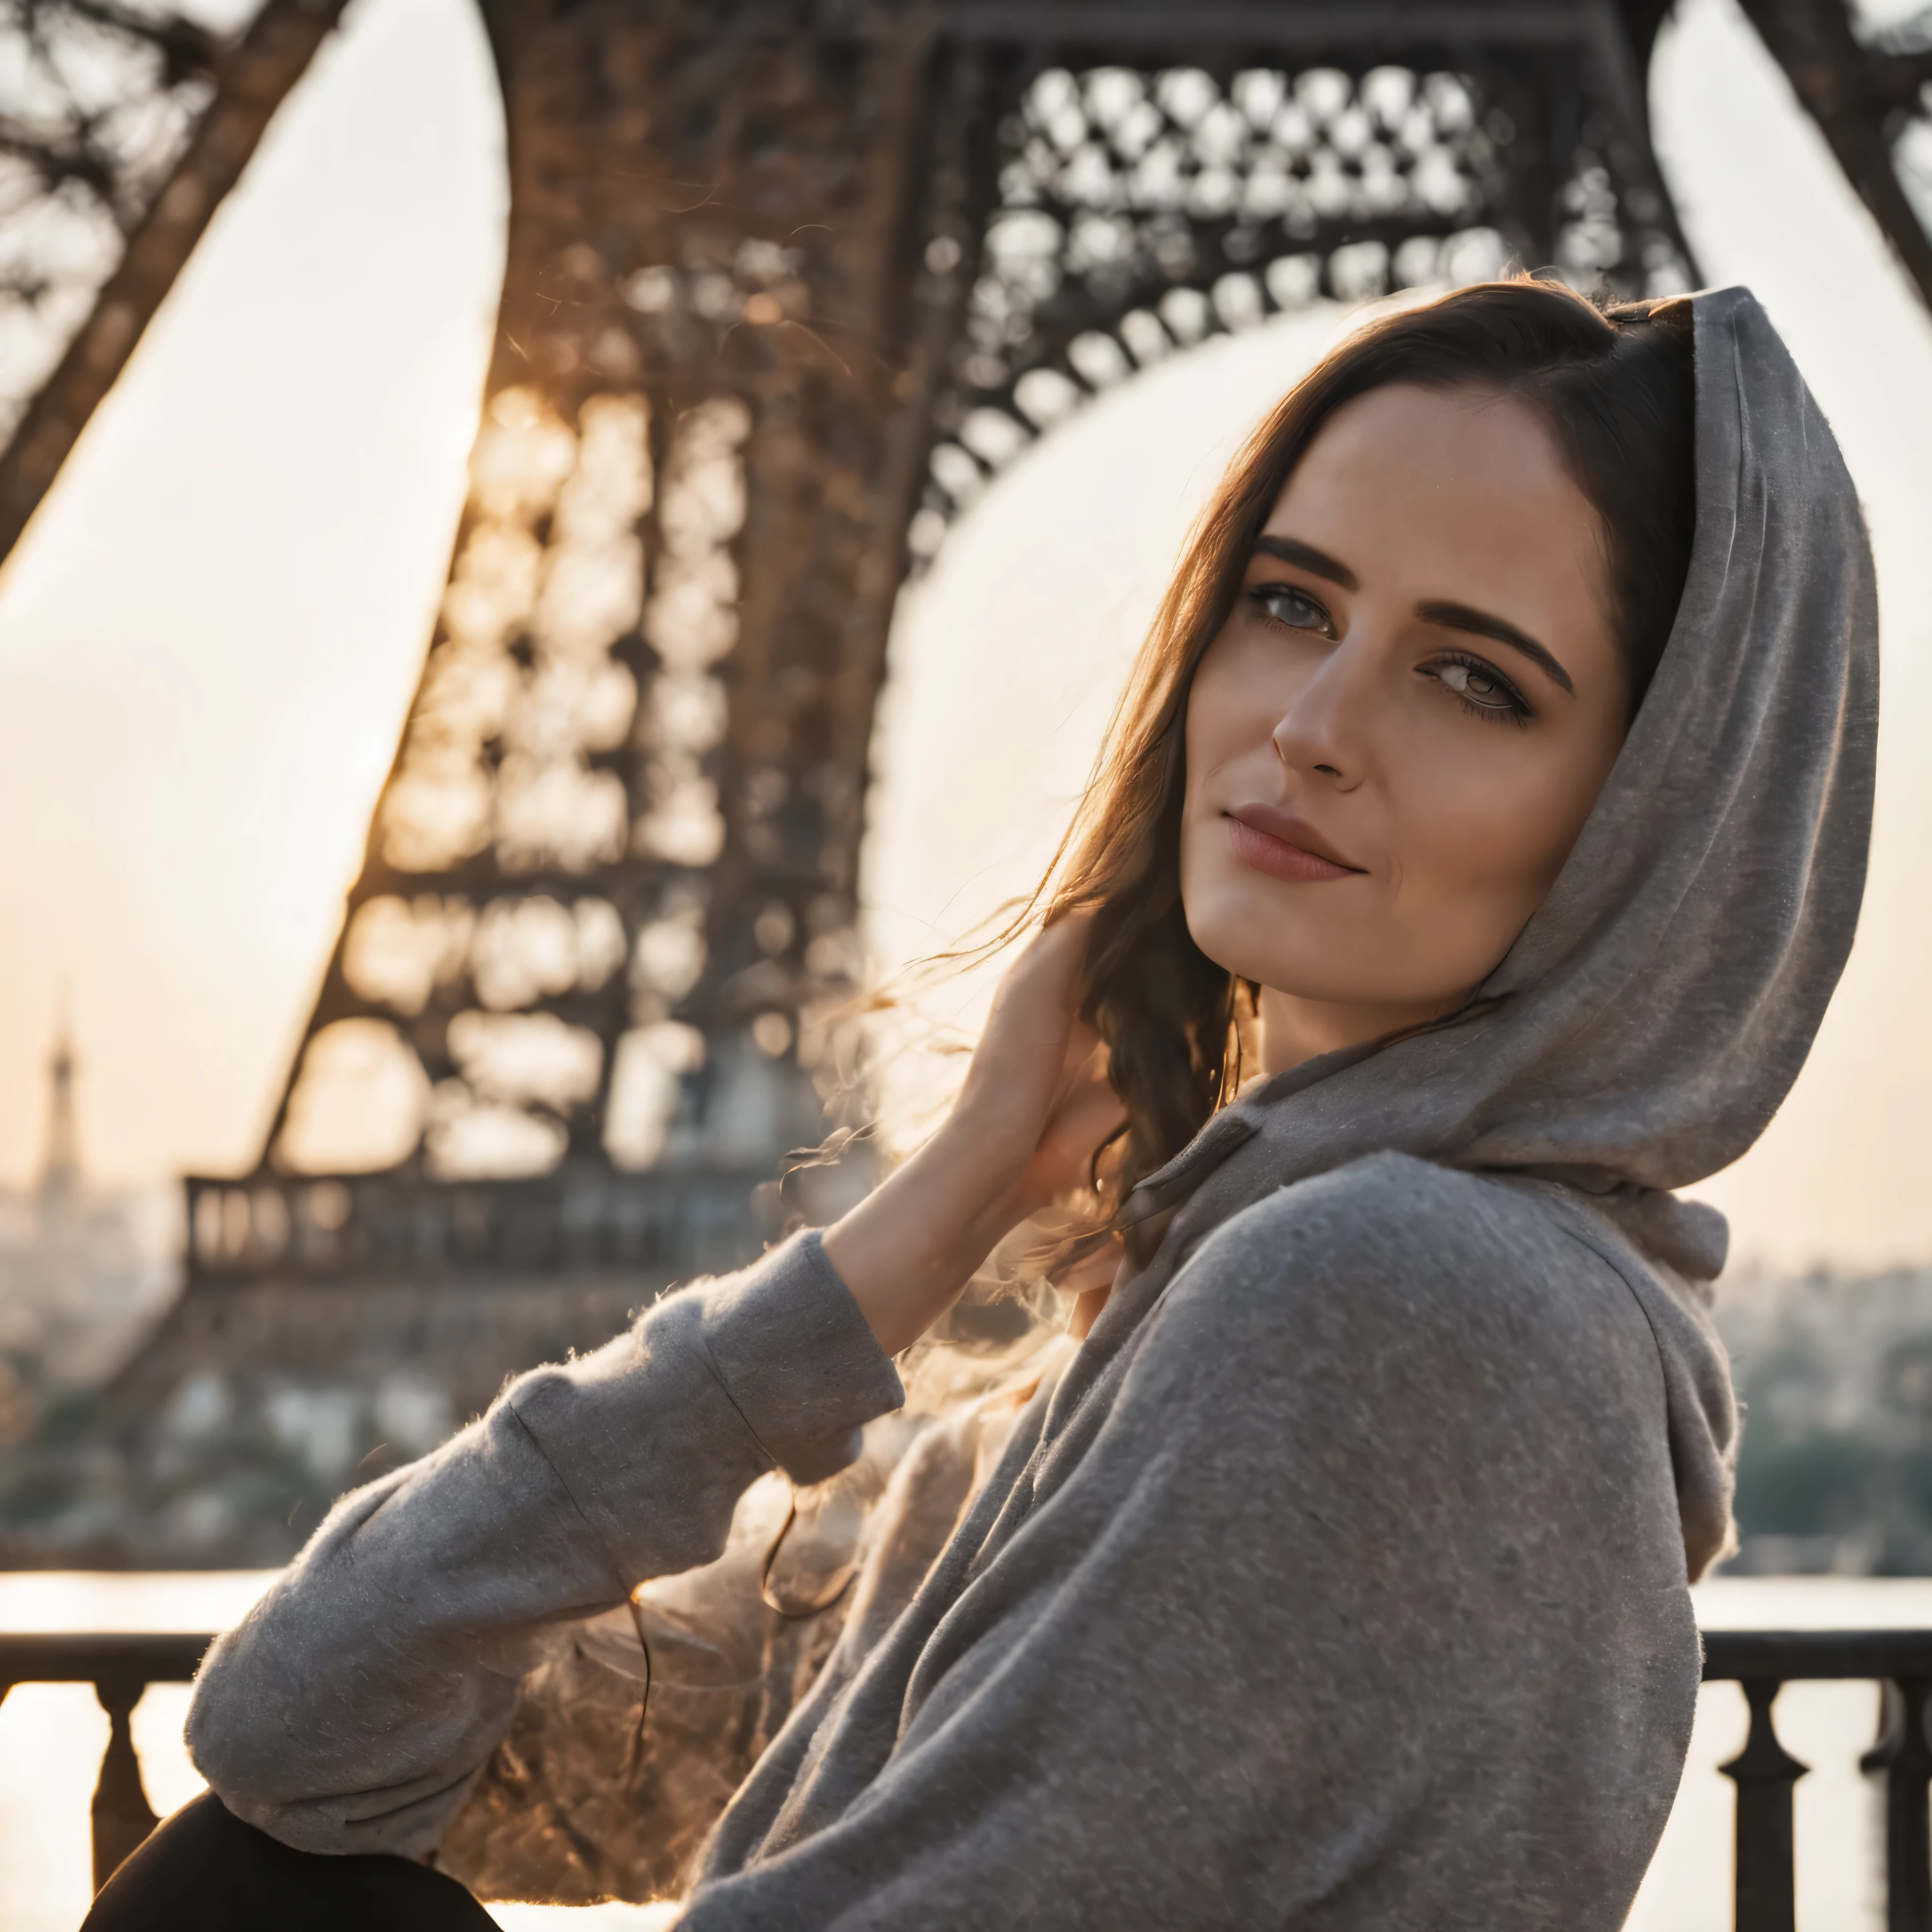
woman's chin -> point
(1251, 935)
(1289, 970)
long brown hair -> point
(1613, 385)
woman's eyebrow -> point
(1305, 556)
(1460, 617)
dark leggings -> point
(204, 1871)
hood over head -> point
(1652, 1015)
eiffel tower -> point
(789, 282)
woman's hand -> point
(1036, 1103)
(1035, 1107)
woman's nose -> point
(1321, 733)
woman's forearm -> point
(350, 1709)
(907, 1250)
(353, 1707)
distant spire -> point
(60, 1165)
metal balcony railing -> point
(1761, 1662)
(682, 1221)
(120, 1667)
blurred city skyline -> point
(210, 637)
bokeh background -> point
(211, 636)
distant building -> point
(1835, 1374)
(80, 1276)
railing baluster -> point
(122, 1815)
(1904, 1754)
(1764, 1772)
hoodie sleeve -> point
(351, 1709)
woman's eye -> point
(1481, 688)
(1287, 605)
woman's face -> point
(1396, 738)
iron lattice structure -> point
(788, 285)
(122, 125)
(780, 301)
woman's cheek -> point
(1458, 833)
(1502, 844)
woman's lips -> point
(1274, 842)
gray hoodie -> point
(1340, 1580)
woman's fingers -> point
(1031, 1050)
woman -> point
(1340, 1580)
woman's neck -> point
(1294, 1029)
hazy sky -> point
(210, 636)
(208, 640)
